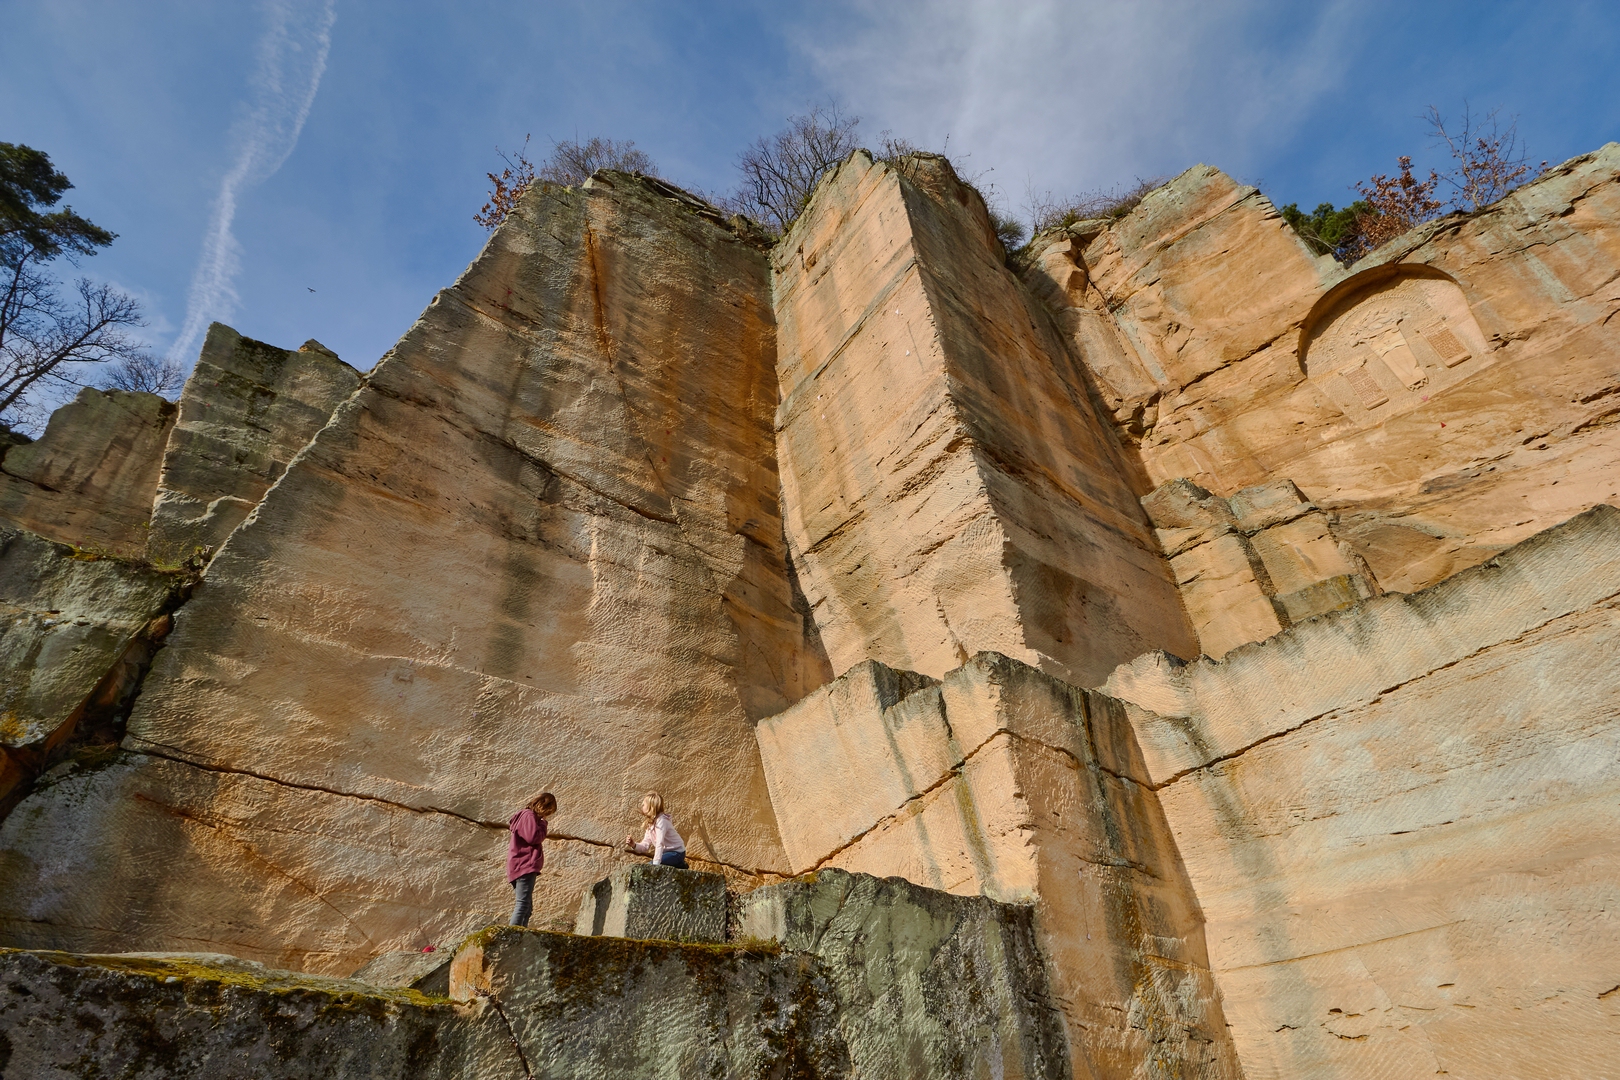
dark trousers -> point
(523, 900)
(677, 859)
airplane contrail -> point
(291, 60)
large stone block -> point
(245, 411)
(1395, 818)
(637, 1010)
(1254, 564)
(90, 478)
(656, 903)
(1039, 797)
(829, 739)
(928, 984)
(213, 1017)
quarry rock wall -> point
(1449, 395)
(539, 548)
(1221, 628)
(949, 488)
(1398, 820)
(1004, 781)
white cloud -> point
(291, 58)
(1079, 96)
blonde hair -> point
(652, 804)
(544, 804)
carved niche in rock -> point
(1388, 339)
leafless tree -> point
(144, 371)
(1489, 159)
(46, 339)
(1047, 211)
(571, 163)
(779, 173)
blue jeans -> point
(677, 859)
(523, 897)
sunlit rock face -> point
(90, 478)
(540, 549)
(1218, 633)
(949, 487)
(1444, 398)
(1391, 818)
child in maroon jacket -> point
(523, 855)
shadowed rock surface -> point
(76, 631)
(655, 902)
(928, 984)
(641, 1010)
(66, 1017)
(90, 478)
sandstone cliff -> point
(1446, 397)
(1220, 628)
(539, 548)
(950, 489)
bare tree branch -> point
(1490, 160)
(44, 339)
(779, 173)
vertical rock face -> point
(90, 478)
(246, 410)
(1446, 397)
(540, 548)
(1004, 781)
(1398, 821)
(1253, 564)
(949, 487)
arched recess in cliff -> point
(1387, 339)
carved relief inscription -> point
(1382, 350)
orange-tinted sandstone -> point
(1244, 615)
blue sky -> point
(152, 108)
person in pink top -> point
(523, 855)
(660, 840)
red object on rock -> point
(428, 948)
